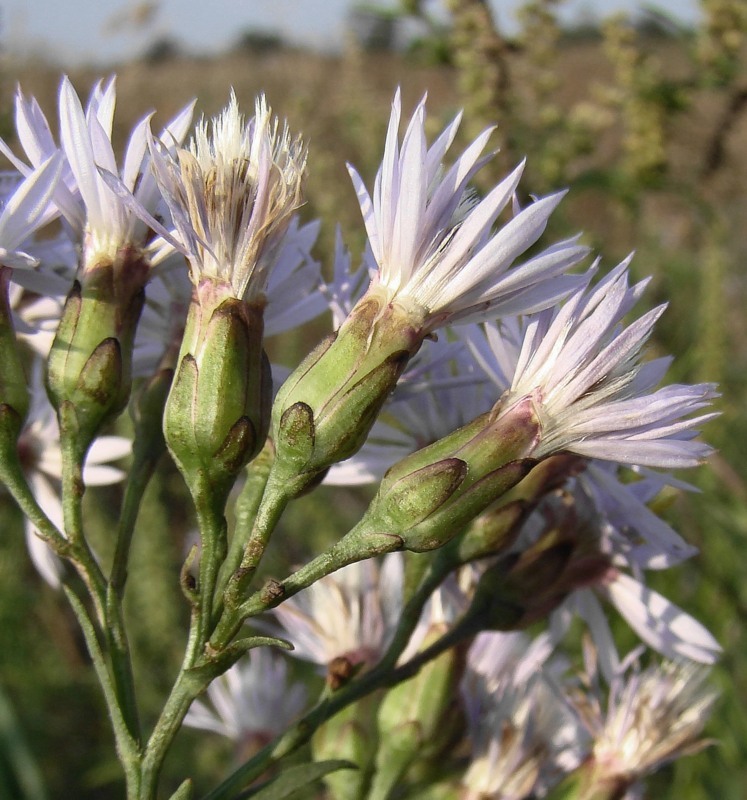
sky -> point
(85, 31)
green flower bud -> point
(417, 719)
(14, 395)
(217, 414)
(428, 497)
(90, 364)
(496, 530)
(349, 735)
(324, 411)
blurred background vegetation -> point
(646, 123)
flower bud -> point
(324, 411)
(90, 364)
(494, 531)
(428, 497)
(217, 413)
(347, 735)
(417, 718)
(522, 589)
(14, 395)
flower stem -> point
(247, 507)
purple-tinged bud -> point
(427, 498)
(90, 364)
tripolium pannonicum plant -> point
(494, 386)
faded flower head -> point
(652, 716)
(232, 193)
(252, 702)
(523, 741)
(349, 615)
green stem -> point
(172, 715)
(127, 747)
(80, 557)
(357, 545)
(15, 481)
(119, 651)
(138, 478)
(212, 525)
(247, 507)
(73, 457)
(186, 688)
(274, 500)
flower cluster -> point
(524, 444)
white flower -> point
(629, 530)
(525, 739)
(41, 460)
(35, 135)
(436, 253)
(294, 286)
(251, 701)
(94, 196)
(232, 194)
(500, 663)
(659, 622)
(161, 327)
(111, 223)
(652, 717)
(593, 395)
(350, 614)
(347, 285)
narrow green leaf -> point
(16, 753)
(294, 779)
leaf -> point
(24, 774)
(292, 780)
(184, 792)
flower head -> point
(232, 193)
(252, 702)
(582, 370)
(652, 717)
(94, 196)
(434, 245)
(524, 735)
(350, 614)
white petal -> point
(661, 624)
(102, 475)
(109, 448)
